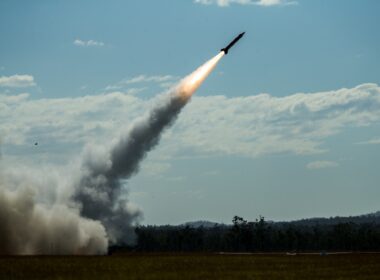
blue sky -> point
(287, 126)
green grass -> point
(193, 266)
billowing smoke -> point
(29, 226)
(97, 211)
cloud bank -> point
(214, 125)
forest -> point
(312, 235)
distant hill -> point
(361, 219)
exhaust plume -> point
(30, 227)
(88, 210)
(99, 187)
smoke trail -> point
(99, 187)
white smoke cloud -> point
(49, 225)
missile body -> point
(233, 42)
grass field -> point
(193, 266)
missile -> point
(233, 42)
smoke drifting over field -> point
(97, 211)
(32, 226)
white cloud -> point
(226, 3)
(65, 120)
(268, 3)
(17, 81)
(374, 141)
(143, 78)
(163, 81)
(322, 164)
(89, 43)
(223, 3)
(214, 125)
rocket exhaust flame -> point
(95, 211)
(192, 82)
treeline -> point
(260, 236)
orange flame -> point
(191, 83)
